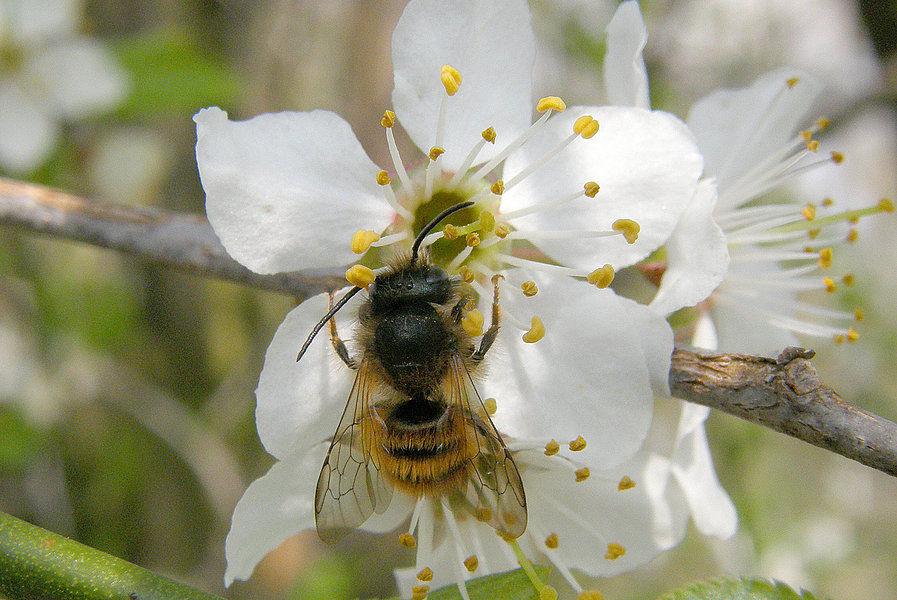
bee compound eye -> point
(436, 275)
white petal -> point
(749, 332)
(625, 77)
(33, 22)
(711, 509)
(697, 255)
(646, 164)
(705, 333)
(274, 507)
(400, 507)
(299, 404)
(737, 128)
(79, 76)
(27, 133)
(286, 191)
(491, 43)
(656, 337)
(588, 376)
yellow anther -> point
(529, 288)
(449, 232)
(498, 188)
(628, 228)
(551, 103)
(853, 220)
(852, 335)
(813, 146)
(807, 135)
(853, 235)
(829, 284)
(792, 82)
(589, 130)
(536, 331)
(825, 258)
(389, 119)
(828, 202)
(837, 158)
(580, 124)
(360, 275)
(548, 593)
(809, 249)
(435, 152)
(362, 240)
(578, 444)
(483, 514)
(489, 134)
(848, 280)
(591, 189)
(601, 277)
(885, 205)
(487, 221)
(407, 540)
(451, 79)
(582, 474)
(490, 405)
(383, 178)
(472, 239)
(813, 233)
(838, 338)
(502, 230)
(551, 448)
(466, 274)
(471, 563)
(625, 483)
(426, 574)
(809, 212)
(590, 595)
(419, 592)
(614, 551)
(858, 314)
(472, 323)
(551, 541)
(822, 123)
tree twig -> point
(783, 394)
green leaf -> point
(513, 584)
(737, 589)
(170, 71)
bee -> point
(414, 421)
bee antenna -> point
(433, 223)
(326, 318)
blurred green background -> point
(126, 390)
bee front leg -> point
(338, 345)
(489, 337)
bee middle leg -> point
(489, 337)
(338, 345)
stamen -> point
(392, 238)
(360, 276)
(466, 274)
(390, 195)
(490, 405)
(589, 130)
(471, 563)
(362, 240)
(551, 448)
(578, 444)
(425, 575)
(502, 230)
(582, 474)
(419, 592)
(586, 126)
(590, 595)
(536, 332)
(407, 540)
(472, 239)
(527, 567)
(451, 79)
(550, 204)
(625, 483)
(614, 551)
(601, 277)
(459, 545)
(529, 288)
(809, 212)
(472, 323)
(628, 228)
(498, 188)
(460, 258)
(436, 152)
(825, 258)
(516, 143)
(488, 136)
(552, 541)
(551, 103)
(388, 120)
(487, 221)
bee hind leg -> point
(338, 345)
(489, 337)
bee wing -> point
(494, 492)
(350, 487)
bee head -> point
(417, 282)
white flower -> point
(49, 74)
(293, 191)
(779, 252)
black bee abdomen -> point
(411, 342)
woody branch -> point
(783, 393)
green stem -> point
(36, 564)
(526, 565)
